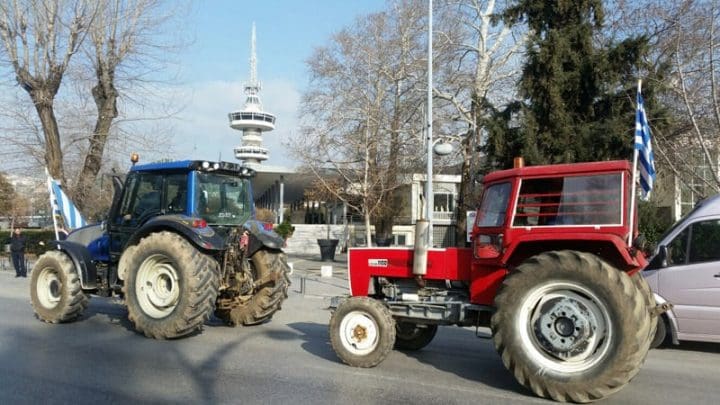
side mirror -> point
(659, 260)
(663, 255)
(640, 243)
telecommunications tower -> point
(252, 120)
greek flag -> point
(643, 145)
(62, 205)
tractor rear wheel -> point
(270, 278)
(413, 336)
(571, 327)
(170, 287)
(644, 288)
(55, 291)
(362, 332)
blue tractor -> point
(180, 241)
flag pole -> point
(631, 220)
(52, 205)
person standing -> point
(17, 250)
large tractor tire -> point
(362, 332)
(270, 276)
(411, 336)
(170, 287)
(644, 288)
(55, 292)
(571, 327)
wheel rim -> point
(157, 286)
(565, 327)
(359, 333)
(48, 288)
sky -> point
(214, 68)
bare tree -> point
(479, 63)
(114, 48)
(682, 70)
(362, 112)
(125, 45)
(7, 195)
(39, 38)
(685, 38)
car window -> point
(677, 249)
(128, 197)
(705, 241)
(176, 192)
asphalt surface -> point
(99, 358)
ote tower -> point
(252, 120)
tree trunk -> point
(53, 152)
(106, 102)
(391, 208)
(368, 233)
(465, 197)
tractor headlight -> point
(205, 165)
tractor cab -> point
(199, 197)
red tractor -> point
(550, 271)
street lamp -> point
(430, 144)
(440, 148)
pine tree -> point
(577, 97)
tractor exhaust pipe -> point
(420, 253)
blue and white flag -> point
(643, 144)
(62, 205)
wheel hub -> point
(49, 288)
(157, 286)
(565, 326)
(360, 333)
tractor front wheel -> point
(170, 288)
(571, 327)
(362, 332)
(55, 291)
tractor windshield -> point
(222, 199)
(494, 205)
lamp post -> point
(428, 184)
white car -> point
(685, 271)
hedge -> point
(33, 237)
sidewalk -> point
(6, 264)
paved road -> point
(289, 360)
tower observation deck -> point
(252, 120)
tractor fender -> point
(260, 237)
(82, 260)
(204, 238)
(615, 250)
